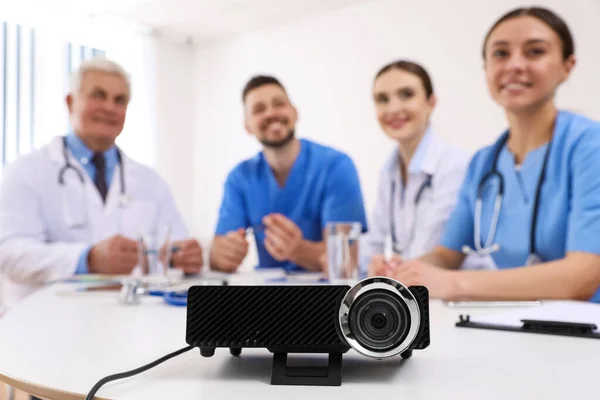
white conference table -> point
(57, 344)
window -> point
(76, 54)
(17, 71)
(34, 79)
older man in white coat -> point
(79, 204)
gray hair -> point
(99, 64)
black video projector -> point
(378, 317)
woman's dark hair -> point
(556, 23)
(413, 68)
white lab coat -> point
(36, 244)
(418, 227)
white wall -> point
(176, 120)
(159, 129)
(327, 64)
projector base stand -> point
(331, 375)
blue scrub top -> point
(569, 208)
(322, 187)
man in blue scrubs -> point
(287, 193)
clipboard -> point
(562, 318)
(573, 329)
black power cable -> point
(133, 372)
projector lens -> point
(379, 317)
(379, 320)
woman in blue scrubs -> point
(532, 199)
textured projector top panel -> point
(275, 317)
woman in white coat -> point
(79, 204)
(419, 182)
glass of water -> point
(342, 240)
(154, 256)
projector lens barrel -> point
(379, 317)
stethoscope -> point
(123, 198)
(487, 248)
(133, 289)
(396, 248)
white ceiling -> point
(202, 20)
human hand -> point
(188, 256)
(228, 251)
(282, 236)
(116, 255)
(379, 266)
(441, 283)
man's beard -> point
(277, 144)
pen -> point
(261, 227)
(176, 249)
(255, 228)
